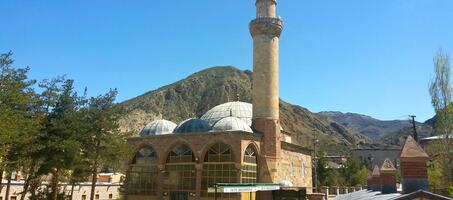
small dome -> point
(231, 124)
(241, 110)
(158, 127)
(193, 125)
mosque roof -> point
(238, 109)
(193, 125)
(411, 150)
(231, 124)
(158, 127)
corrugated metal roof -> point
(367, 195)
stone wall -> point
(292, 165)
(83, 191)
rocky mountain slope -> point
(196, 94)
(389, 132)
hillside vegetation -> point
(199, 92)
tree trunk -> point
(72, 190)
(8, 185)
(34, 186)
(31, 175)
(25, 188)
(1, 180)
(94, 179)
(56, 178)
(94, 173)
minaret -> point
(265, 30)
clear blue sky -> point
(369, 57)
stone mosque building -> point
(235, 142)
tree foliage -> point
(19, 117)
(351, 173)
(440, 90)
(55, 131)
(434, 174)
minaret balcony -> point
(270, 26)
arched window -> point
(219, 152)
(142, 176)
(250, 166)
(180, 153)
(145, 156)
(180, 173)
(218, 167)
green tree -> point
(440, 90)
(434, 174)
(79, 173)
(450, 191)
(354, 172)
(17, 114)
(323, 172)
(103, 142)
(61, 146)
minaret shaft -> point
(265, 30)
(266, 8)
(265, 77)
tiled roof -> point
(376, 172)
(412, 150)
(387, 166)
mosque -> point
(235, 143)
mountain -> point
(199, 92)
(389, 132)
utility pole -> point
(414, 127)
(315, 163)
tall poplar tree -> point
(440, 90)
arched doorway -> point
(142, 177)
(180, 173)
(218, 167)
(249, 170)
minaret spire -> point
(265, 31)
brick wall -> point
(414, 169)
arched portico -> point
(142, 178)
(179, 174)
(218, 167)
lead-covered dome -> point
(238, 109)
(193, 125)
(158, 127)
(231, 124)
